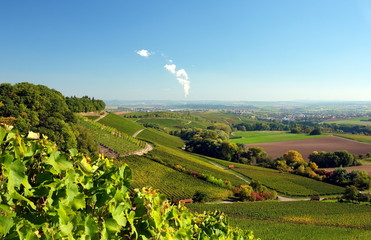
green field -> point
(220, 117)
(285, 183)
(298, 220)
(122, 124)
(354, 121)
(359, 138)
(174, 184)
(269, 136)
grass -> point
(359, 138)
(166, 123)
(174, 184)
(285, 183)
(92, 117)
(297, 220)
(354, 121)
(269, 136)
(122, 124)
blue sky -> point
(230, 50)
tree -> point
(293, 157)
(339, 175)
(360, 179)
(316, 131)
(351, 193)
(257, 155)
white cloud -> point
(144, 53)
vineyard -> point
(281, 220)
(285, 183)
(112, 138)
(172, 157)
(121, 124)
(160, 138)
(174, 184)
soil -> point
(349, 169)
(307, 146)
(121, 112)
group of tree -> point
(255, 191)
(352, 194)
(212, 142)
(85, 104)
(50, 194)
(333, 159)
(40, 109)
(293, 162)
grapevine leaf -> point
(2, 134)
(16, 195)
(91, 228)
(15, 171)
(79, 202)
(112, 225)
(73, 152)
(119, 215)
(6, 223)
(59, 162)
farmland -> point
(171, 124)
(307, 146)
(122, 124)
(282, 220)
(123, 145)
(285, 183)
(356, 137)
(354, 121)
(172, 183)
(171, 157)
(269, 136)
(162, 138)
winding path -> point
(101, 116)
(138, 132)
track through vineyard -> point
(281, 198)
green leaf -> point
(15, 171)
(112, 225)
(6, 223)
(79, 202)
(3, 132)
(16, 195)
(119, 215)
(59, 162)
(73, 152)
(91, 228)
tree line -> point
(40, 109)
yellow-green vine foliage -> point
(49, 194)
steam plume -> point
(144, 53)
(181, 76)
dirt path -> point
(138, 132)
(101, 116)
(280, 198)
(143, 151)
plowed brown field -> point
(307, 146)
